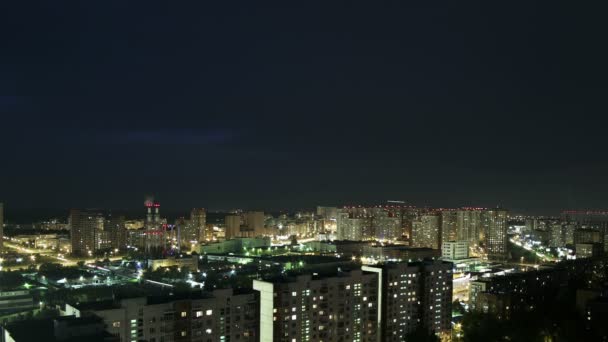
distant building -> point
(349, 228)
(588, 250)
(425, 232)
(329, 213)
(254, 223)
(91, 231)
(469, 225)
(114, 225)
(84, 227)
(587, 219)
(455, 250)
(385, 225)
(383, 253)
(198, 218)
(587, 236)
(189, 262)
(194, 231)
(449, 225)
(496, 233)
(235, 245)
(233, 226)
(154, 232)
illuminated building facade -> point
(84, 231)
(194, 231)
(413, 295)
(338, 308)
(386, 225)
(449, 225)
(426, 232)
(91, 231)
(496, 233)
(153, 226)
(349, 228)
(469, 225)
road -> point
(51, 254)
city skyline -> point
(317, 171)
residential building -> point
(449, 225)
(412, 295)
(496, 233)
(455, 250)
(426, 232)
(84, 231)
(469, 225)
(220, 316)
(342, 307)
(91, 230)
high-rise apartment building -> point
(90, 231)
(469, 225)
(413, 295)
(385, 224)
(349, 228)
(114, 225)
(199, 217)
(84, 231)
(496, 233)
(254, 222)
(449, 225)
(558, 234)
(377, 303)
(194, 231)
(232, 226)
(426, 232)
(337, 308)
(154, 232)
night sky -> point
(225, 104)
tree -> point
(421, 335)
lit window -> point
(184, 314)
(208, 331)
(116, 324)
(209, 312)
(199, 314)
(184, 333)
